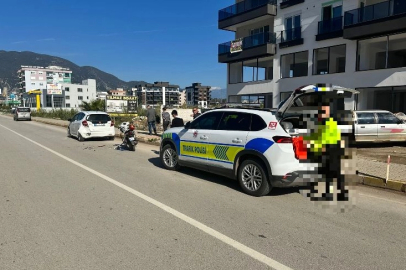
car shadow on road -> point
(221, 180)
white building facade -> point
(284, 44)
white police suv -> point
(251, 145)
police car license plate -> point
(99, 124)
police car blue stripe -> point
(222, 161)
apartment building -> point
(35, 77)
(118, 92)
(280, 45)
(66, 95)
(182, 97)
(198, 95)
(152, 94)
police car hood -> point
(334, 91)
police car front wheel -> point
(169, 158)
(253, 178)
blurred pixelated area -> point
(325, 147)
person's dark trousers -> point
(166, 124)
(151, 126)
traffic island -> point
(379, 182)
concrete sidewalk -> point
(371, 173)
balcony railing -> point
(242, 7)
(374, 12)
(291, 34)
(332, 25)
(250, 42)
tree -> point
(94, 105)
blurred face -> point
(194, 111)
(325, 111)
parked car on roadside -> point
(22, 113)
(378, 126)
(91, 124)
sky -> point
(152, 40)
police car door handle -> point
(204, 137)
(237, 141)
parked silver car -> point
(22, 113)
(378, 126)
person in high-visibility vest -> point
(326, 147)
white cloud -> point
(215, 88)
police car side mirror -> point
(187, 125)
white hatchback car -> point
(91, 124)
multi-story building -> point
(198, 95)
(182, 97)
(68, 96)
(118, 92)
(152, 94)
(34, 77)
(281, 45)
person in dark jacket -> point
(195, 112)
(151, 118)
(176, 121)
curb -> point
(380, 183)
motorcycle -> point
(129, 138)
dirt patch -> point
(380, 152)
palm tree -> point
(94, 105)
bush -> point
(56, 114)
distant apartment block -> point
(182, 97)
(34, 77)
(198, 95)
(152, 94)
(118, 92)
(69, 95)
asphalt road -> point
(66, 204)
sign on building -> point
(121, 104)
(54, 89)
(236, 46)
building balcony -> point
(230, 18)
(291, 37)
(258, 45)
(328, 29)
(289, 3)
(382, 18)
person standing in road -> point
(166, 118)
(176, 121)
(195, 113)
(151, 118)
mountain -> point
(11, 62)
(218, 93)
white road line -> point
(225, 239)
(375, 197)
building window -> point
(67, 75)
(329, 60)
(33, 72)
(40, 72)
(382, 52)
(58, 101)
(284, 95)
(41, 84)
(80, 90)
(251, 70)
(67, 97)
(67, 105)
(87, 97)
(49, 101)
(294, 64)
(292, 28)
(67, 89)
(33, 83)
(80, 98)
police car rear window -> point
(257, 123)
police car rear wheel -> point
(253, 179)
(169, 158)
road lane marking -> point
(225, 239)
